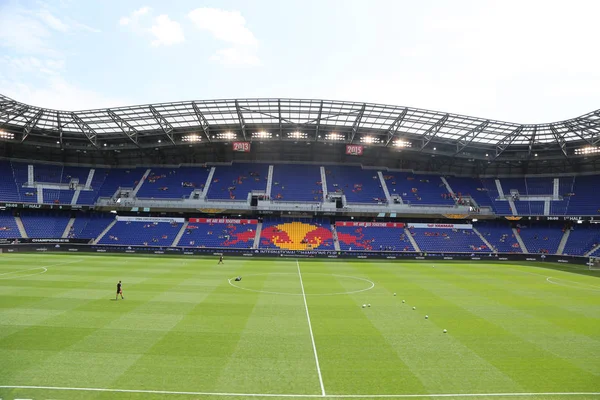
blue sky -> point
(520, 61)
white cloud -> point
(57, 93)
(166, 31)
(228, 26)
(236, 57)
(52, 21)
(134, 18)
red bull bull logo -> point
(297, 236)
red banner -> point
(243, 147)
(354, 150)
(223, 221)
(372, 224)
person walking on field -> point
(119, 291)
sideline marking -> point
(574, 284)
(312, 338)
(306, 294)
(342, 396)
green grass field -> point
(183, 327)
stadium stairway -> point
(563, 242)
(386, 191)
(484, 240)
(68, 228)
(209, 180)
(21, 227)
(520, 240)
(104, 232)
(513, 208)
(75, 196)
(141, 182)
(336, 242)
(448, 187)
(412, 240)
(324, 182)
(180, 234)
(257, 236)
(269, 182)
(592, 251)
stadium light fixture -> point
(370, 139)
(262, 135)
(335, 136)
(6, 135)
(226, 135)
(587, 150)
(435, 148)
(402, 143)
(297, 135)
(191, 138)
(159, 140)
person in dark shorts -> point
(220, 260)
(119, 291)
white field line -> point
(332, 396)
(45, 268)
(312, 338)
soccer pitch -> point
(295, 329)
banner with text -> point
(371, 224)
(441, 226)
(150, 219)
(354, 150)
(223, 221)
(243, 147)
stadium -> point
(380, 251)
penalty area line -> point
(282, 395)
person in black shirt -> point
(220, 260)
(119, 291)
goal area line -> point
(300, 396)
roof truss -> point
(164, 124)
(393, 129)
(203, 122)
(433, 131)
(507, 140)
(241, 118)
(88, 132)
(356, 123)
(125, 126)
(468, 137)
(31, 123)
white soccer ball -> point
(445, 331)
(403, 301)
(368, 305)
(427, 317)
(414, 308)
(364, 305)
(394, 294)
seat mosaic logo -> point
(297, 236)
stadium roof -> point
(287, 119)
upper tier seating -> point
(141, 233)
(26, 195)
(464, 187)
(173, 183)
(585, 199)
(120, 177)
(296, 182)
(234, 182)
(448, 240)
(565, 186)
(8, 226)
(90, 196)
(357, 184)
(418, 189)
(582, 239)
(539, 239)
(57, 196)
(231, 235)
(8, 188)
(373, 238)
(303, 234)
(44, 225)
(499, 235)
(525, 207)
